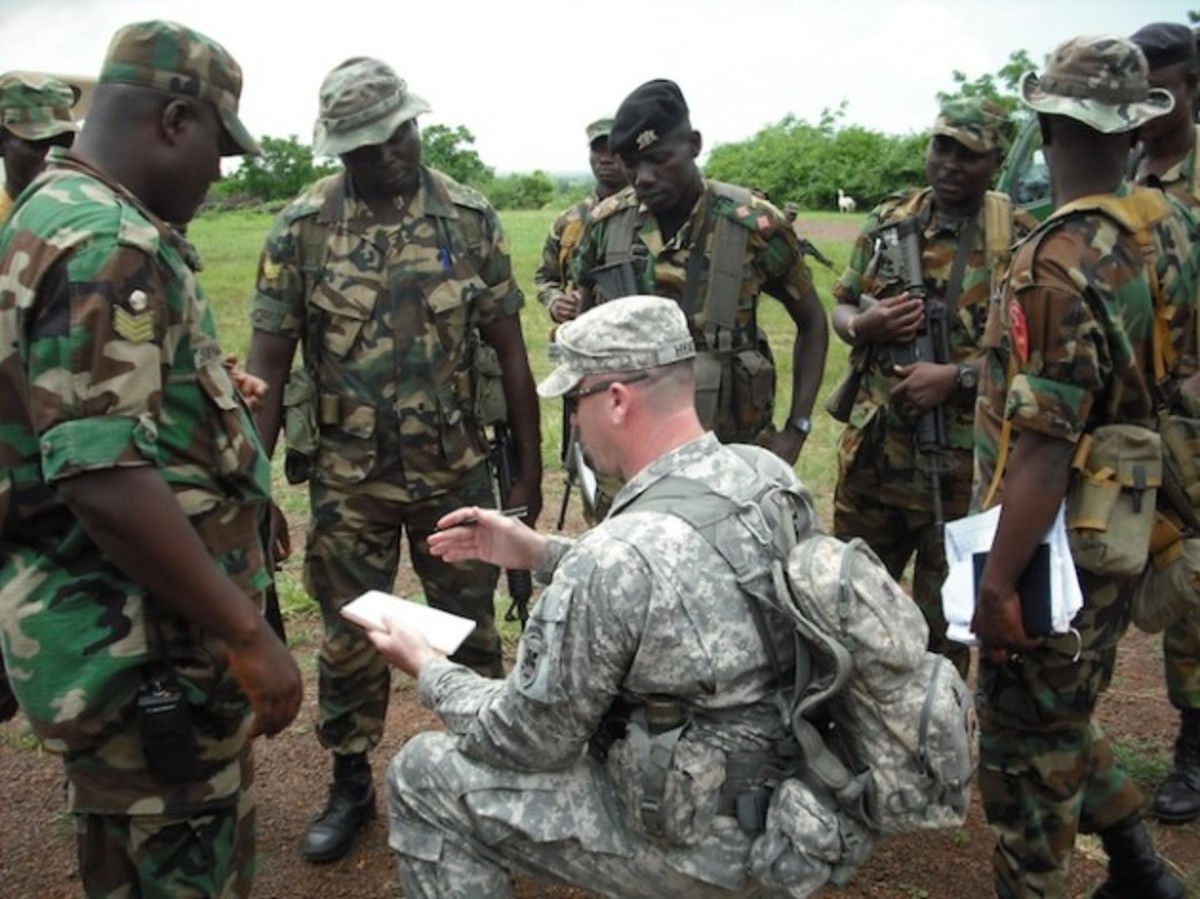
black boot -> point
(1135, 870)
(351, 805)
(1178, 799)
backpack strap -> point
(998, 234)
(618, 245)
(725, 269)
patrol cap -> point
(977, 123)
(626, 335)
(171, 57)
(36, 107)
(646, 116)
(598, 129)
(363, 102)
(1165, 44)
(1099, 80)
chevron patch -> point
(135, 327)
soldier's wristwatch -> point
(801, 423)
(967, 377)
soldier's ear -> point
(697, 142)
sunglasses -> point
(572, 397)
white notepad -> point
(441, 630)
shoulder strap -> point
(618, 245)
(725, 268)
(998, 234)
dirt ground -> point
(36, 851)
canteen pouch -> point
(1169, 587)
(1181, 465)
(1117, 472)
(753, 390)
(300, 426)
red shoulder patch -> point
(1019, 328)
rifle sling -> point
(954, 287)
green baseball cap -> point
(1099, 80)
(36, 107)
(977, 123)
(598, 129)
(363, 102)
(171, 57)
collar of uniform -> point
(664, 466)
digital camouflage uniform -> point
(884, 491)
(1074, 324)
(110, 360)
(1181, 641)
(554, 274)
(387, 318)
(638, 608)
(773, 264)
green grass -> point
(229, 244)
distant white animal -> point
(845, 203)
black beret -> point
(1165, 44)
(646, 116)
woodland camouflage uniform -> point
(115, 311)
(1068, 348)
(884, 492)
(388, 331)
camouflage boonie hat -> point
(1101, 81)
(173, 58)
(653, 111)
(977, 123)
(598, 129)
(36, 107)
(363, 102)
(626, 335)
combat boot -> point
(351, 805)
(1135, 870)
(1178, 799)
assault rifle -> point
(504, 463)
(808, 248)
(900, 243)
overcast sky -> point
(526, 76)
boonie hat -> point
(977, 123)
(646, 116)
(626, 335)
(598, 129)
(173, 58)
(1165, 44)
(36, 107)
(1099, 80)
(363, 102)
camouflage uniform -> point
(111, 360)
(773, 264)
(554, 274)
(1061, 361)
(1181, 641)
(637, 608)
(387, 324)
(884, 491)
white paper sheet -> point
(441, 630)
(976, 533)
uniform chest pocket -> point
(345, 307)
(450, 301)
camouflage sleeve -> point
(95, 361)
(1062, 372)
(777, 254)
(279, 305)
(503, 298)
(550, 277)
(852, 285)
(577, 646)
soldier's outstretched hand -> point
(269, 677)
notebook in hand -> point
(1034, 588)
(441, 630)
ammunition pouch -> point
(1169, 587)
(301, 434)
(1112, 498)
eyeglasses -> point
(572, 397)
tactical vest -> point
(735, 385)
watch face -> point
(803, 425)
(967, 377)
